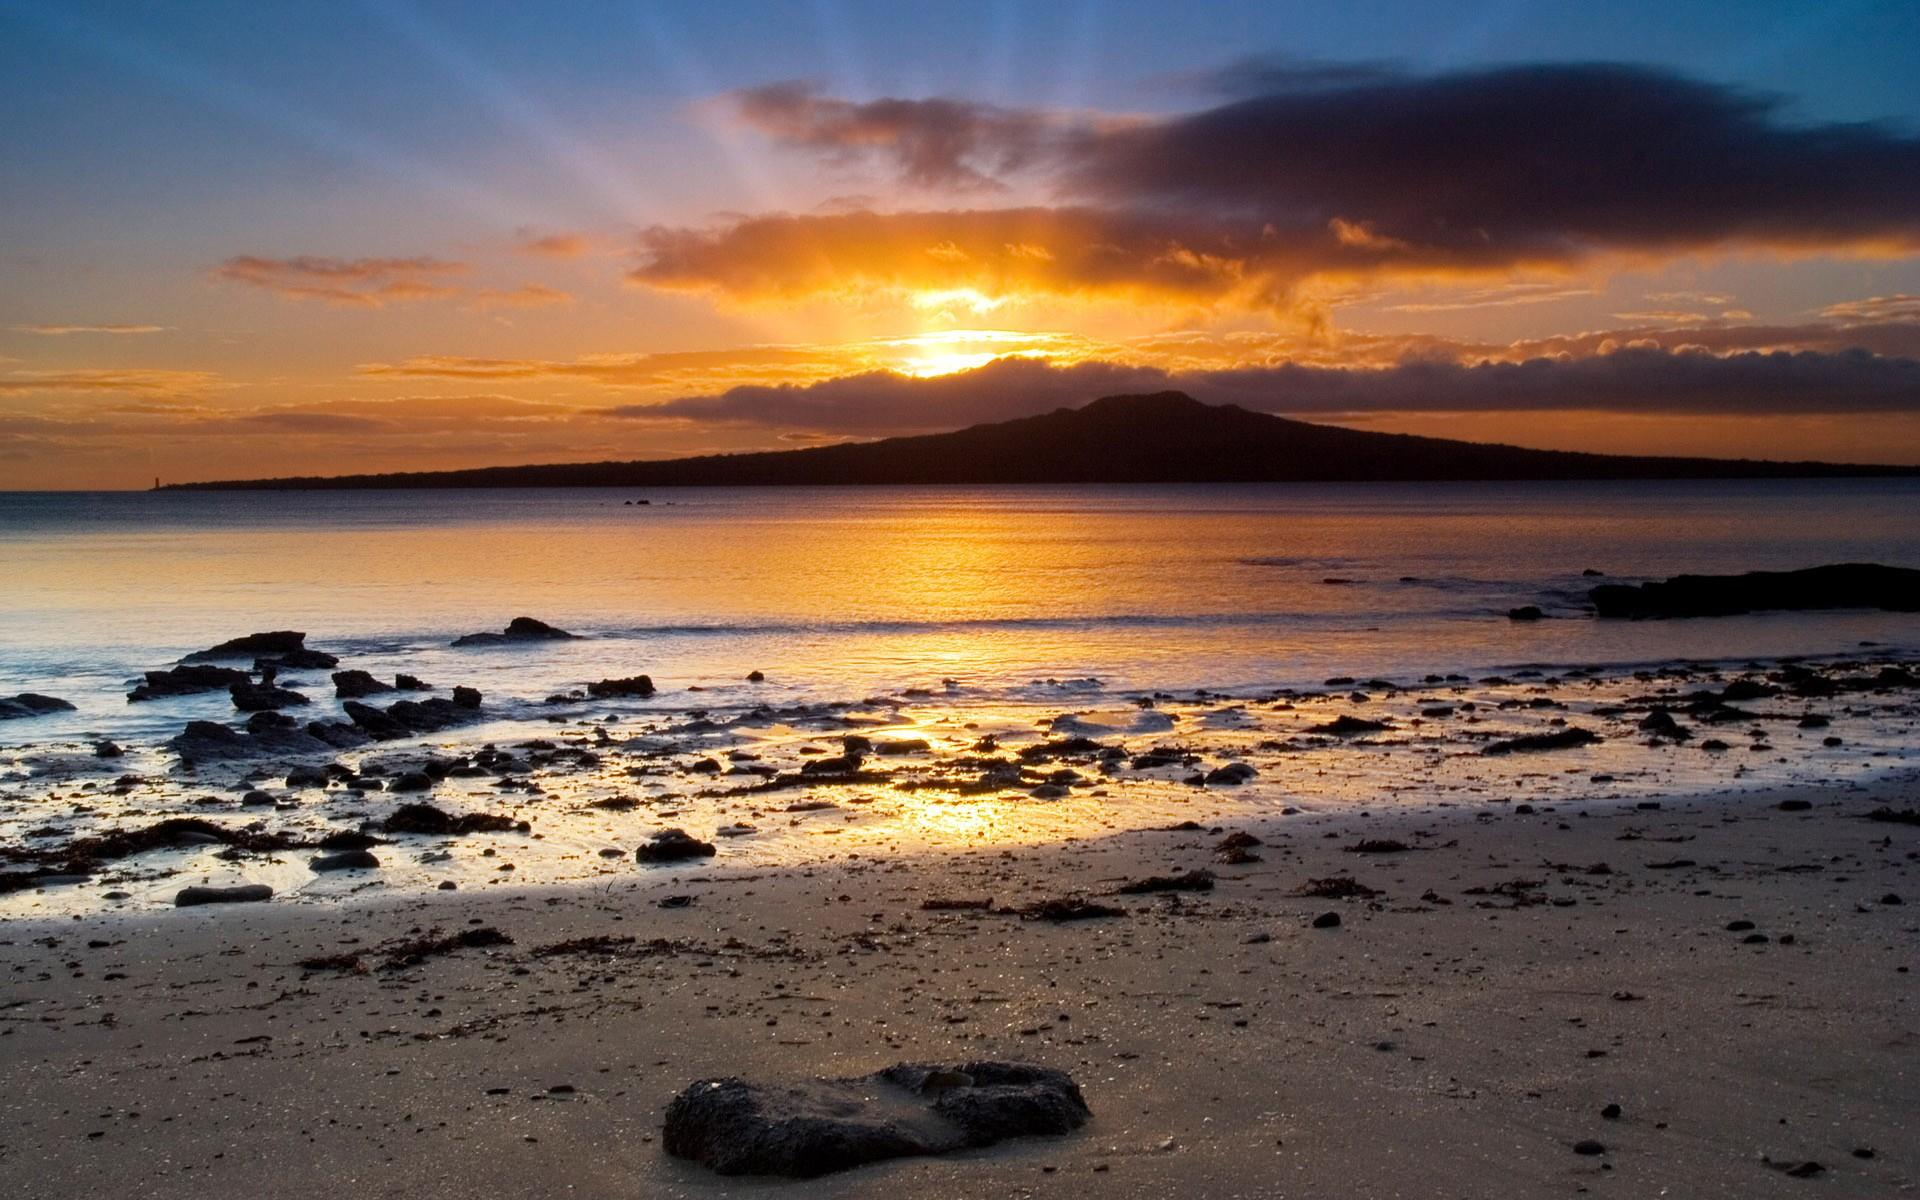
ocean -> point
(1212, 619)
(837, 593)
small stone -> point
(1588, 1147)
(1327, 920)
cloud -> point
(142, 381)
(1082, 253)
(553, 245)
(1641, 379)
(957, 145)
(527, 295)
(65, 330)
(1326, 178)
(356, 282)
(1875, 309)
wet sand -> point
(1456, 1035)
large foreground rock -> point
(520, 629)
(265, 733)
(812, 1128)
(1844, 585)
(31, 704)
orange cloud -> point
(65, 330)
(126, 380)
(553, 245)
(357, 282)
(527, 295)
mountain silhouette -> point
(1165, 437)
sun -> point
(948, 351)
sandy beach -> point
(1520, 969)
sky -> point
(240, 239)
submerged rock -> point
(520, 629)
(809, 1129)
(31, 704)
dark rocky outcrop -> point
(1560, 739)
(303, 659)
(253, 645)
(434, 822)
(187, 681)
(1350, 726)
(263, 697)
(673, 845)
(357, 685)
(265, 733)
(404, 718)
(246, 893)
(636, 685)
(520, 629)
(30, 704)
(808, 1129)
(1843, 585)
(1526, 612)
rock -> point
(187, 681)
(257, 799)
(426, 819)
(107, 749)
(246, 893)
(1231, 775)
(635, 685)
(411, 683)
(263, 697)
(411, 781)
(813, 1128)
(1611, 1112)
(1348, 726)
(1327, 920)
(31, 704)
(253, 645)
(349, 839)
(1588, 1147)
(466, 697)
(298, 660)
(520, 629)
(1845, 585)
(1560, 739)
(307, 777)
(1526, 612)
(345, 860)
(1660, 723)
(756, 676)
(202, 740)
(1187, 881)
(1795, 805)
(673, 845)
(356, 685)
(900, 746)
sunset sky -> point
(246, 239)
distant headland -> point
(1165, 437)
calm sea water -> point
(839, 593)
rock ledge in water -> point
(520, 629)
(1842, 585)
(31, 704)
(808, 1129)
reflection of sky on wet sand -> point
(925, 799)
